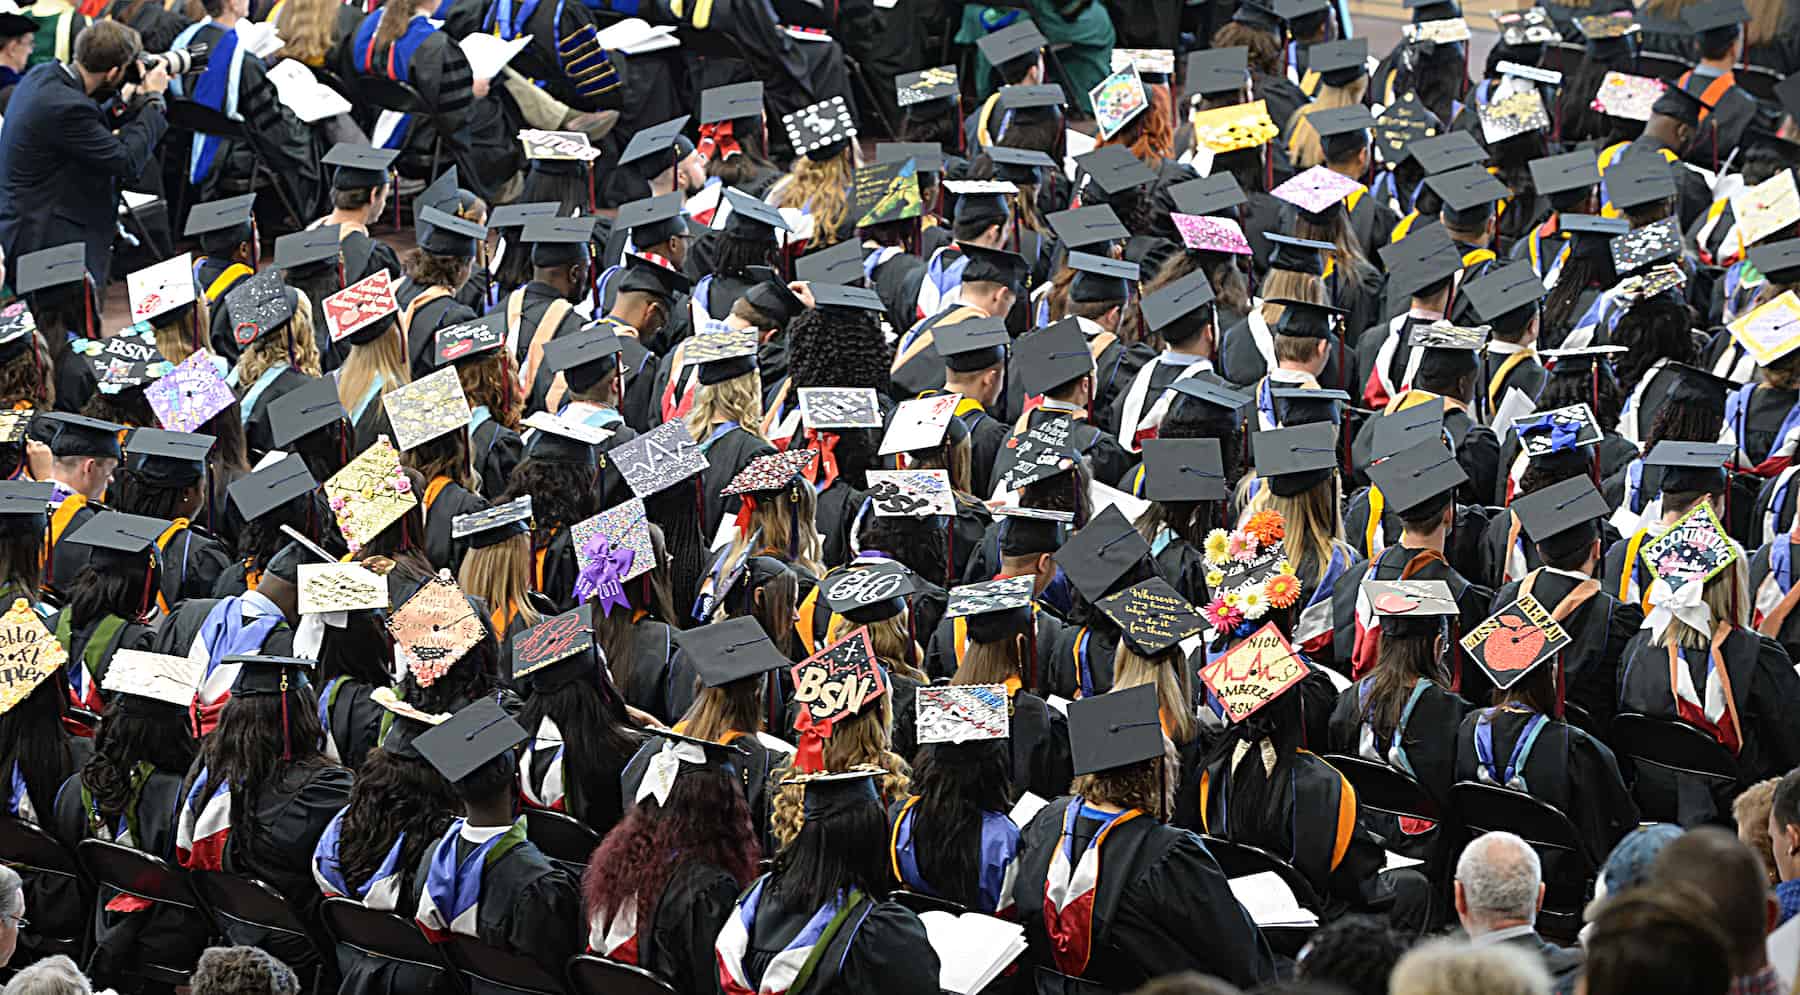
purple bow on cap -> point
(603, 574)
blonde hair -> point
(385, 357)
(307, 26)
(992, 663)
(275, 347)
(1726, 599)
(769, 525)
(862, 738)
(1766, 17)
(717, 712)
(500, 575)
(1168, 673)
(1148, 787)
(821, 189)
(175, 337)
(1304, 146)
(738, 399)
(1313, 521)
(1293, 286)
(893, 645)
(1456, 966)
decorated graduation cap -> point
(1213, 72)
(1690, 466)
(1085, 227)
(1521, 28)
(1567, 179)
(770, 472)
(925, 85)
(433, 629)
(444, 234)
(659, 459)
(1040, 452)
(306, 250)
(585, 357)
(1693, 551)
(654, 275)
(994, 266)
(1469, 194)
(1421, 261)
(994, 610)
(33, 656)
(975, 344)
(963, 713)
(159, 677)
(1211, 234)
(1513, 641)
(1521, 112)
(124, 361)
(1564, 518)
(558, 241)
(1401, 125)
(70, 435)
(1116, 729)
(1013, 44)
(822, 130)
(1506, 298)
(24, 506)
(1419, 480)
(475, 736)
(1052, 357)
(359, 167)
(426, 408)
(1235, 128)
(1558, 430)
(722, 355)
(910, 493)
(368, 494)
(221, 225)
(1118, 100)
(557, 651)
(258, 305)
(16, 327)
(271, 488)
(868, 594)
(312, 407)
(495, 525)
(839, 407)
(167, 459)
(1317, 192)
(468, 339)
(164, 288)
(1640, 248)
(1638, 180)
(918, 423)
(1252, 673)
(1295, 459)
(1299, 255)
(835, 683)
(1628, 97)
(1410, 609)
(1096, 557)
(1152, 616)
(1343, 131)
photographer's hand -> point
(156, 79)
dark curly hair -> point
(918, 543)
(26, 377)
(393, 795)
(1355, 952)
(561, 494)
(1658, 328)
(362, 650)
(96, 593)
(247, 749)
(956, 783)
(734, 256)
(135, 730)
(838, 348)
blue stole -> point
(1514, 775)
(248, 406)
(395, 65)
(373, 392)
(327, 869)
(217, 88)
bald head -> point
(1716, 863)
(1499, 883)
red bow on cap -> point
(810, 757)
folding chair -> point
(565, 840)
(152, 879)
(1661, 65)
(1673, 746)
(362, 932)
(32, 852)
(489, 970)
(1568, 875)
(246, 903)
(921, 903)
(1383, 789)
(590, 975)
(199, 119)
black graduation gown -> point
(1788, 635)
(530, 905)
(259, 431)
(452, 501)
(290, 149)
(924, 369)
(353, 720)
(1283, 97)
(1600, 628)
(421, 333)
(1464, 548)
(192, 561)
(726, 454)
(1723, 129)
(1767, 407)
(987, 435)
(497, 450)
(1477, 452)
(66, 560)
(273, 835)
(1763, 686)
(177, 632)
(75, 382)
(1527, 376)
(554, 567)
(1426, 731)
(601, 807)
(1161, 905)
(1473, 601)
(1372, 221)
(1083, 655)
(897, 280)
(535, 301)
(640, 407)
(1567, 769)
(835, 513)
(121, 938)
(882, 947)
(1115, 366)
(52, 903)
(1243, 365)
(648, 684)
(677, 944)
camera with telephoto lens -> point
(178, 62)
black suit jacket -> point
(61, 166)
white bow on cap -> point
(659, 778)
(1686, 603)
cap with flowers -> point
(1248, 573)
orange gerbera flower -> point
(1267, 526)
(1282, 590)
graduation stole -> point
(1576, 597)
(381, 892)
(794, 966)
(1070, 890)
(1314, 630)
(82, 671)
(450, 901)
(217, 88)
(1777, 590)
(204, 825)
(328, 698)
(1487, 770)
(1506, 367)
(1367, 646)
(549, 793)
(125, 832)
(1717, 715)
(1787, 438)
(616, 938)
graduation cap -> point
(1518, 113)
(1469, 194)
(1560, 176)
(1117, 100)
(1215, 71)
(1563, 519)
(1697, 387)
(1532, 26)
(1152, 617)
(1681, 104)
(1210, 234)
(1209, 389)
(1407, 601)
(516, 215)
(1505, 298)
(339, 587)
(70, 435)
(359, 167)
(491, 526)
(654, 275)
(1297, 458)
(1040, 452)
(1254, 672)
(1097, 556)
(993, 609)
(936, 83)
(128, 359)
(868, 594)
(1639, 179)
(750, 217)
(918, 423)
(1418, 477)
(910, 493)
(1779, 261)
(1768, 208)
(827, 295)
(15, 424)
(1099, 278)
(731, 650)
(771, 295)
(821, 130)
(119, 541)
(826, 795)
(269, 675)
(840, 264)
(468, 339)
(1229, 129)
(158, 289)
(444, 234)
(1316, 191)
(221, 224)
(35, 654)
(557, 650)
(443, 194)
(1591, 235)
(1511, 643)
(659, 459)
(1426, 257)
(1693, 550)
(368, 494)
(771, 472)
(167, 459)
(1339, 63)
(1116, 729)
(731, 103)
(652, 220)
(1184, 470)
(433, 629)
(306, 248)
(927, 157)
(1052, 357)
(1306, 320)
(558, 241)
(478, 734)
(1019, 40)
(16, 327)
(994, 266)
(272, 487)
(1299, 255)
(1115, 169)
(1446, 152)
(1625, 96)
(1558, 429)
(840, 407)
(1401, 125)
(658, 139)
(312, 407)
(1215, 194)
(1690, 466)
(172, 680)
(1087, 226)
(1343, 131)
(584, 357)
(562, 440)
(47, 269)
(24, 506)
(974, 344)
(963, 713)
(1639, 248)
(1034, 97)
(1450, 336)
(722, 355)
(431, 406)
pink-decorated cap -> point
(1210, 234)
(1316, 189)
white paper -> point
(1026, 809)
(1059, 703)
(1076, 144)
(802, 34)
(1397, 862)
(384, 128)
(340, 587)
(488, 54)
(1270, 901)
(1103, 497)
(635, 36)
(310, 100)
(1625, 522)
(972, 948)
(1515, 405)
(1784, 952)
(137, 201)
(260, 38)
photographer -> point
(61, 161)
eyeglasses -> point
(19, 922)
